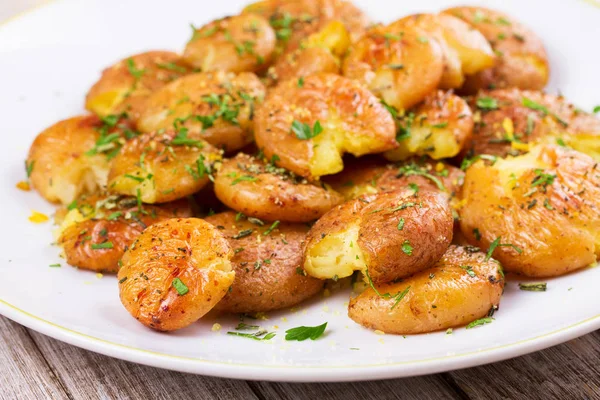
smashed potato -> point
(267, 263)
(95, 231)
(460, 288)
(466, 51)
(373, 175)
(237, 44)
(522, 59)
(175, 272)
(126, 85)
(390, 60)
(262, 190)
(297, 19)
(162, 167)
(439, 127)
(393, 234)
(72, 157)
(510, 120)
(309, 127)
(219, 106)
(320, 52)
(537, 213)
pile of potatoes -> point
(296, 142)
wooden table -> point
(33, 366)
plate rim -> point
(288, 373)
(291, 373)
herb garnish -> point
(302, 333)
(181, 288)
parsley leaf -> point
(487, 103)
(181, 288)
(533, 287)
(304, 132)
(302, 333)
(479, 322)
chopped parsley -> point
(540, 107)
(181, 288)
(104, 245)
(407, 248)
(302, 333)
(260, 335)
(533, 287)
(479, 322)
(271, 228)
(487, 103)
(397, 297)
(304, 132)
(29, 168)
(401, 224)
(496, 243)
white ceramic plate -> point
(51, 56)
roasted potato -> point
(466, 51)
(96, 230)
(393, 235)
(461, 287)
(261, 190)
(162, 167)
(320, 52)
(439, 127)
(237, 44)
(522, 59)
(267, 263)
(390, 62)
(309, 127)
(72, 157)
(126, 85)
(297, 19)
(509, 120)
(219, 106)
(374, 175)
(537, 213)
(175, 272)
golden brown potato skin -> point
(353, 121)
(548, 209)
(188, 249)
(444, 296)
(261, 190)
(390, 60)
(64, 165)
(383, 225)
(125, 86)
(268, 273)
(114, 219)
(439, 127)
(297, 19)
(466, 51)
(237, 44)
(578, 129)
(191, 99)
(522, 59)
(368, 175)
(162, 168)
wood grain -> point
(24, 373)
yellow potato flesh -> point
(336, 254)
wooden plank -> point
(567, 371)
(87, 375)
(24, 373)
(427, 387)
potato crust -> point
(297, 19)
(462, 287)
(261, 190)
(522, 59)
(175, 272)
(369, 175)
(96, 230)
(466, 51)
(65, 160)
(163, 166)
(350, 118)
(439, 128)
(389, 61)
(393, 234)
(237, 44)
(268, 267)
(126, 85)
(509, 120)
(539, 211)
(219, 106)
